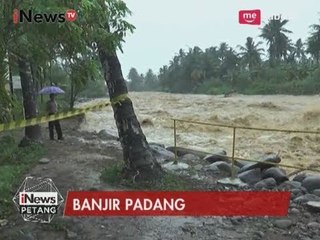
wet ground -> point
(77, 163)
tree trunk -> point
(11, 81)
(71, 104)
(139, 161)
(32, 133)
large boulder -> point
(300, 177)
(276, 173)
(106, 136)
(290, 185)
(311, 183)
(314, 206)
(212, 167)
(183, 151)
(222, 167)
(306, 198)
(251, 177)
(190, 158)
(161, 154)
(316, 192)
(242, 163)
(217, 157)
(157, 144)
(172, 166)
(263, 163)
(268, 183)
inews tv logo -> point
(251, 17)
(21, 16)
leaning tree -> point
(104, 28)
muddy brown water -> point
(268, 111)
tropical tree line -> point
(285, 67)
(76, 53)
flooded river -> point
(155, 112)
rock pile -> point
(261, 175)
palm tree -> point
(274, 33)
(223, 48)
(251, 53)
(299, 51)
(313, 42)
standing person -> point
(52, 108)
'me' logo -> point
(251, 17)
(21, 16)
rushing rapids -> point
(156, 110)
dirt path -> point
(76, 164)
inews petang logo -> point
(22, 16)
(38, 200)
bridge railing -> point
(234, 131)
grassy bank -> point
(170, 182)
(14, 163)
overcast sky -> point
(165, 26)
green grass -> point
(113, 175)
(14, 162)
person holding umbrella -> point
(52, 108)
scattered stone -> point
(157, 144)
(161, 154)
(234, 221)
(260, 234)
(307, 215)
(190, 157)
(311, 183)
(296, 192)
(313, 225)
(217, 157)
(290, 185)
(295, 211)
(222, 166)
(283, 223)
(198, 167)
(314, 205)
(251, 177)
(248, 167)
(242, 163)
(263, 163)
(197, 177)
(233, 182)
(300, 177)
(27, 235)
(304, 190)
(212, 167)
(183, 151)
(276, 173)
(316, 192)
(44, 160)
(104, 135)
(306, 198)
(3, 222)
(268, 183)
(71, 235)
(171, 166)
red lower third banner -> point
(144, 203)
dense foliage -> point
(283, 68)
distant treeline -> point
(285, 67)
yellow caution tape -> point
(119, 99)
(59, 116)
